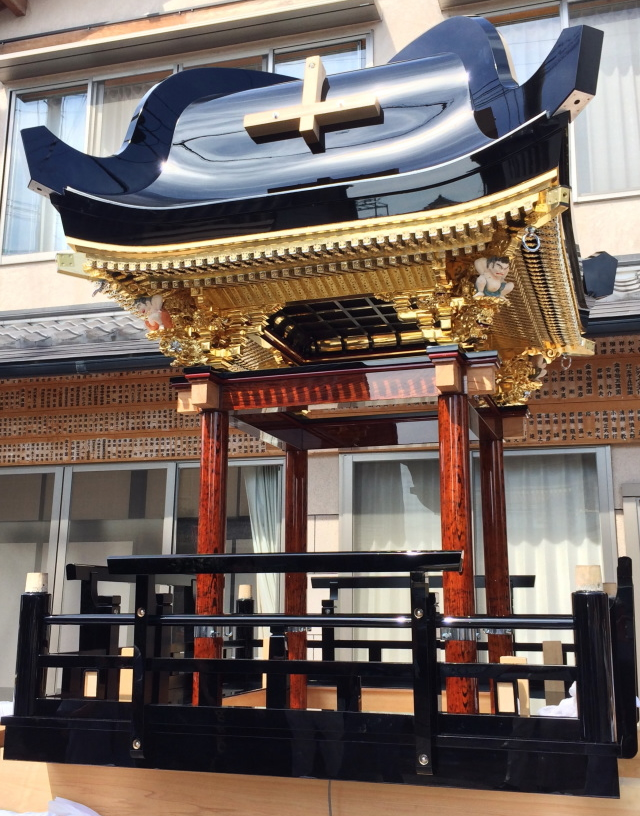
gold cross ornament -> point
(308, 117)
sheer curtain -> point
(263, 485)
(116, 102)
(553, 524)
(396, 506)
(31, 223)
(607, 132)
(529, 43)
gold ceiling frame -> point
(219, 294)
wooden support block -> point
(513, 427)
(449, 378)
(506, 692)
(554, 690)
(185, 405)
(588, 578)
(481, 380)
(205, 395)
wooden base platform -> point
(28, 786)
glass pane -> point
(348, 56)
(25, 524)
(32, 224)
(396, 506)
(116, 102)
(553, 524)
(255, 63)
(254, 521)
(529, 43)
(112, 512)
(607, 132)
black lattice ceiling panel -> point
(334, 328)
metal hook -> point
(565, 362)
(531, 234)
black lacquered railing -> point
(157, 729)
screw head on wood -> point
(141, 612)
(423, 759)
(136, 744)
(418, 613)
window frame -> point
(528, 12)
(604, 479)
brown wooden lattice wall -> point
(131, 416)
(115, 417)
(594, 400)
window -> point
(81, 514)
(115, 104)
(338, 58)
(95, 115)
(254, 523)
(31, 223)
(559, 515)
(607, 133)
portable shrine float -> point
(383, 257)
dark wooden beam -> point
(295, 589)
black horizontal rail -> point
(281, 667)
(321, 621)
(401, 581)
(508, 622)
(345, 643)
(298, 621)
(501, 743)
(84, 661)
(427, 561)
(507, 671)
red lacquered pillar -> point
(295, 588)
(211, 540)
(494, 532)
(455, 508)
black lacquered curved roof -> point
(454, 126)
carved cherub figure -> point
(153, 313)
(492, 272)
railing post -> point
(425, 672)
(328, 632)
(277, 684)
(33, 640)
(596, 699)
(143, 642)
(625, 664)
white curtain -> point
(396, 506)
(553, 525)
(32, 224)
(116, 102)
(607, 132)
(529, 43)
(263, 485)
